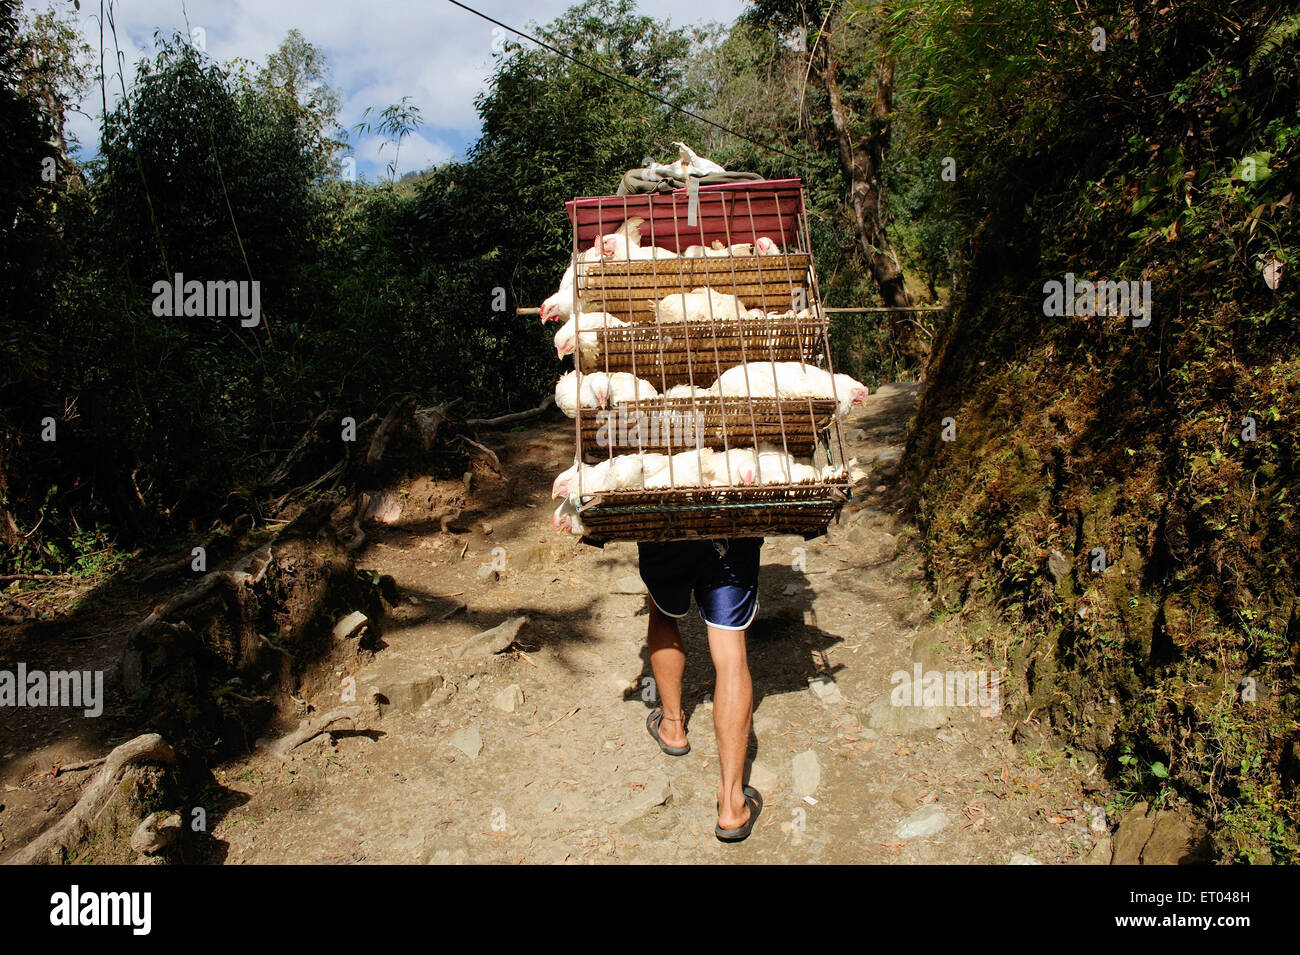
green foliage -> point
(1163, 158)
(397, 122)
(225, 172)
(551, 131)
(1275, 39)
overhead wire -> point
(621, 81)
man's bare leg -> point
(733, 704)
(668, 661)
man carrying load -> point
(723, 576)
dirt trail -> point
(570, 775)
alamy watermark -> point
(74, 688)
(74, 907)
(633, 428)
(1129, 299)
(212, 299)
(947, 688)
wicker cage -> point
(783, 283)
(630, 290)
(669, 425)
(685, 513)
(692, 352)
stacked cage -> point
(701, 348)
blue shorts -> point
(723, 575)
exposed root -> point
(325, 723)
(55, 843)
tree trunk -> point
(861, 163)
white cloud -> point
(374, 154)
(434, 52)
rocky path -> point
(540, 754)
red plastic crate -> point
(729, 213)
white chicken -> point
(621, 248)
(774, 466)
(699, 305)
(766, 246)
(718, 249)
(733, 467)
(566, 518)
(652, 462)
(701, 251)
(789, 379)
(686, 469)
(600, 390)
(580, 331)
(560, 304)
(804, 314)
(757, 379)
(771, 465)
(621, 386)
(698, 165)
(849, 391)
(679, 392)
(778, 467)
(688, 163)
(593, 479)
(570, 393)
(621, 472)
(626, 472)
(702, 467)
(736, 249)
(804, 474)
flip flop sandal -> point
(755, 803)
(652, 724)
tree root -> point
(61, 838)
(496, 462)
(258, 561)
(324, 723)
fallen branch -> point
(64, 834)
(211, 544)
(440, 409)
(511, 418)
(303, 489)
(5, 578)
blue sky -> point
(379, 51)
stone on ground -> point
(469, 741)
(510, 699)
(397, 683)
(657, 791)
(925, 821)
(492, 641)
(806, 773)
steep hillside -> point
(1114, 499)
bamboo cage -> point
(792, 327)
